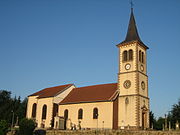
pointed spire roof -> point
(132, 33)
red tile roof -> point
(103, 92)
(51, 92)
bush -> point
(3, 127)
(26, 127)
(40, 132)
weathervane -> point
(131, 2)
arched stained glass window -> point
(95, 113)
(80, 114)
(34, 110)
(44, 111)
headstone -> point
(169, 126)
(177, 125)
(17, 121)
(163, 127)
(122, 127)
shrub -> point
(40, 132)
(26, 127)
(3, 127)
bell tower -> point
(133, 110)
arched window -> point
(44, 111)
(80, 114)
(66, 114)
(140, 56)
(34, 110)
(125, 56)
(130, 54)
(95, 113)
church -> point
(121, 105)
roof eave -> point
(124, 43)
(80, 102)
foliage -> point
(11, 106)
(172, 117)
(174, 114)
(3, 127)
(152, 119)
(5, 105)
(40, 132)
(26, 127)
(158, 125)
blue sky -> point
(45, 43)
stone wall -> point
(111, 132)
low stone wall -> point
(111, 132)
(108, 132)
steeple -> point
(132, 33)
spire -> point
(132, 33)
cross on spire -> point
(132, 4)
(132, 32)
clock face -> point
(142, 68)
(143, 85)
(127, 66)
(127, 84)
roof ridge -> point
(95, 85)
(58, 86)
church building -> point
(121, 105)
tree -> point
(3, 127)
(174, 114)
(26, 127)
(4, 96)
(5, 105)
(21, 110)
(152, 119)
(11, 106)
(158, 125)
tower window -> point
(125, 56)
(44, 111)
(80, 114)
(34, 110)
(130, 54)
(140, 56)
(95, 113)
